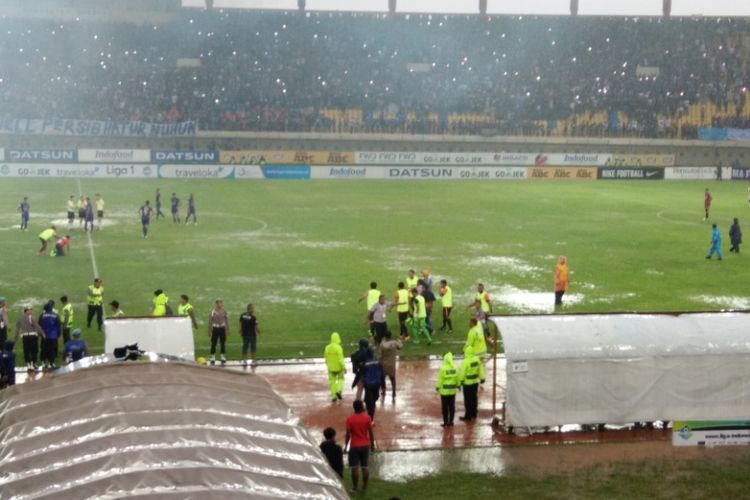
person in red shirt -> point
(359, 435)
(61, 247)
(707, 202)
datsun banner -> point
(41, 155)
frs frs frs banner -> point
(25, 126)
(481, 159)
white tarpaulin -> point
(623, 368)
(172, 335)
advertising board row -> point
(711, 433)
(207, 171)
(384, 158)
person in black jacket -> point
(358, 358)
(332, 451)
(735, 236)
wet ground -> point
(411, 442)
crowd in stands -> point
(419, 73)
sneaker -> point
(223, 362)
(338, 395)
(212, 362)
(244, 362)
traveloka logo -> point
(685, 432)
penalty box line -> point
(88, 237)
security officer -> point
(475, 338)
(185, 308)
(470, 375)
(334, 357)
(66, 318)
(95, 298)
(28, 329)
(447, 386)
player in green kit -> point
(419, 318)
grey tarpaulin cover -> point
(156, 429)
(623, 368)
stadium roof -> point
(156, 429)
(540, 7)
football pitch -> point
(304, 251)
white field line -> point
(88, 237)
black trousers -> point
(49, 350)
(97, 311)
(402, 323)
(30, 348)
(65, 334)
(558, 297)
(372, 393)
(448, 406)
(470, 401)
(219, 335)
(378, 329)
(393, 385)
(3, 334)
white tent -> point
(623, 368)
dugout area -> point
(625, 368)
(164, 429)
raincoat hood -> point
(364, 346)
(448, 359)
(335, 338)
(9, 344)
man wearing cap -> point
(218, 329)
(3, 321)
(28, 329)
(49, 322)
(75, 348)
(95, 297)
(116, 311)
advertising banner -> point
(248, 172)
(562, 173)
(262, 157)
(488, 173)
(484, 159)
(687, 173)
(711, 433)
(114, 155)
(204, 157)
(41, 155)
(286, 171)
(630, 173)
(139, 171)
(196, 172)
(347, 172)
(640, 161)
(572, 159)
(97, 128)
(740, 173)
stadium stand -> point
(547, 76)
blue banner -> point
(107, 128)
(713, 134)
(202, 157)
(286, 171)
(41, 155)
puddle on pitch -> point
(725, 301)
(402, 466)
(526, 301)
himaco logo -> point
(4, 169)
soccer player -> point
(95, 298)
(372, 295)
(72, 206)
(218, 329)
(419, 317)
(484, 298)
(429, 299)
(116, 311)
(159, 213)
(191, 210)
(250, 333)
(707, 203)
(24, 209)
(411, 280)
(446, 297)
(88, 224)
(75, 349)
(185, 308)
(49, 322)
(81, 210)
(735, 236)
(562, 279)
(715, 243)
(145, 212)
(61, 247)
(45, 236)
(175, 201)
(99, 204)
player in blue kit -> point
(145, 212)
(191, 210)
(159, 213)
(24, 209)
(175, 208)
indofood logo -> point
(4, 170)
(685, 432)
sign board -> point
(711, 433)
